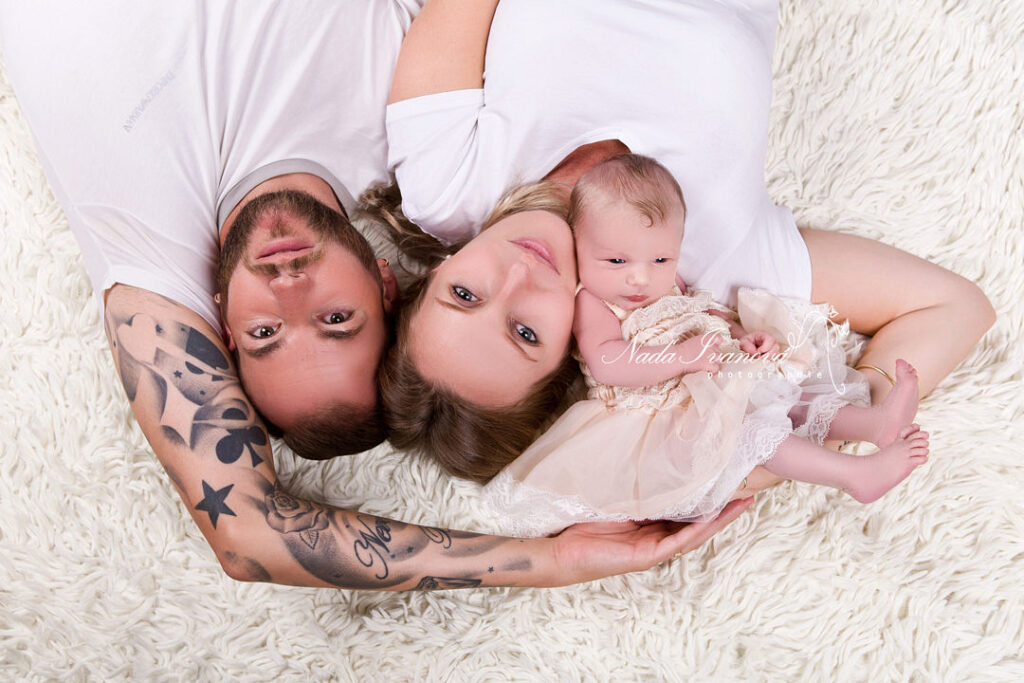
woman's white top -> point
(685, 82)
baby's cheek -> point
(590, 280)
(664, 283)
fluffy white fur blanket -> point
(900, 121)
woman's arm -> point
(617, 362)
(444, 49)
(185, 393)
(912, 308)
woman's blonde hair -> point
(466, 439)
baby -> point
(683, 401)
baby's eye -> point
(617, 261)
(526, 333)
(337, 317)
(464, 294)
(663, 259)
(263, 331)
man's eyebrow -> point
(264, 351)
(342, 334)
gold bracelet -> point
(879, 370)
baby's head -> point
(627, 217)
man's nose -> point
(287, 281)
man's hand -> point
(585, 552)
(758, 344)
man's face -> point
(302, 309)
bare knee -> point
(972, 307)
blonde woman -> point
(570, 84)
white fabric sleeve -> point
(449, 156)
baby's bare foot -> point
(879, 472)
(899, 407)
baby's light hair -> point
(634, 178)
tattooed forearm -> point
(379, 553)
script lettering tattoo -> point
(433, 583)
(371, 546)
(443, 537)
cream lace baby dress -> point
(678, 450)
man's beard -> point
(322, 219)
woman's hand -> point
(585, 552)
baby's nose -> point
(638, 276)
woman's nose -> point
(516, 276)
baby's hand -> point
(699, 354)
(758, 344)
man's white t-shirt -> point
(685, 82)
(153, 120)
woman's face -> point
(497, 315)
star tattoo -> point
(213, 502)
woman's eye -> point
(617, 261)
(336, 318)
(526, 333)
(464, 294)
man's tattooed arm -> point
(185, 393)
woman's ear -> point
(389, 285)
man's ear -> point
(389, 285)
(225, 332)
(227, 337)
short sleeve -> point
(448, 154)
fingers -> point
(694, 535)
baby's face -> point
(621, 258)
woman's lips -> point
(540, 249)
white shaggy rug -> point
(896, 120)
